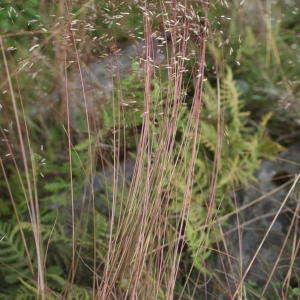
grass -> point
(172, 125)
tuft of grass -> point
(119, 187)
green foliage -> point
(5, 296)
(13, 258)
(56, 236)
(242, 151)
(14, 267)
(17, 192)
(293, 293)
(18, 16)
(128, 111)
(242, 146)
(51, 178)
(29, 291)
(248, 47)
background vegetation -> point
(118, 195)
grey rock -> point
(96, 79)
(248, 229)
(99, 78)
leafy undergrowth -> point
(118, 187)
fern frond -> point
(12, 253)
(30, 292)
(6, 296)
(30, 288)
(196, 240)
(268, 149)
(241, 155)
(208, 136)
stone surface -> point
(251, 225)
(99, 78)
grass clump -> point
(117, 183)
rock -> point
(246, 233)
(98, 78)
